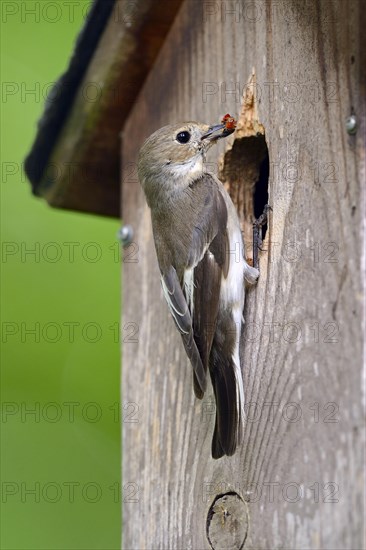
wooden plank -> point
(83, 172)
(299, 473)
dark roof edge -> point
(61, 97)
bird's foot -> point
(257, 234)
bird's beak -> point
(216, 132)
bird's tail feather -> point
(229, 395)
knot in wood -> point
(227, 522)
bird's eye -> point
(183, 137)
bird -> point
(201, 257)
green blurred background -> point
(60, 470)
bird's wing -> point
(207, 277)
(179, 308)
(193, 294)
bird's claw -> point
(257, 234)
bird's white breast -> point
(191, 169)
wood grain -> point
(300, 468)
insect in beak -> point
(227, 127)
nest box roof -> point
(74, 162)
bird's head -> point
(174, 155)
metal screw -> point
(351, 124)
(125, 234)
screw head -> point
(351, 124)
(125, 234)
